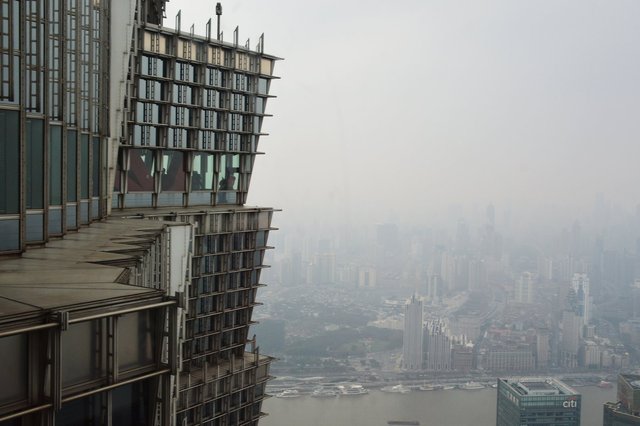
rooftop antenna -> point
(209, 30)
(219, 13)
(235, 36)
(178, 16)
(260, 47)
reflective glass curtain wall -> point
(53, 86)
(196, 107)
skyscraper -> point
(524, 288)
(580, 285)
(412, 337)
(129, 263)
(438, 347)
(534, 401)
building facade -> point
(626, 410)
(535, 401)
(129, 262)
(437, 347)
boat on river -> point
(472, 386)
(396, 389)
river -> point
(431, 408)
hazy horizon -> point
(411, 111)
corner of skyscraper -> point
(129, 260)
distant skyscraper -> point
(635, 297)
(572, 327)
(434, 287)
(366, 277)
(537, 401)
(524, 288)
(412, 338)
(437, 347)
(580, 285)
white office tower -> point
(412, 337)
(580, 285)
(438, 347)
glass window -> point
(84, 411)
(14, 356)
(202, 176)
(173, 174)
(152, 66)
(136, 340)
(55, 165)
(229, 172)
(72, 164)
(95, 179)
(141, 170)
(82, 359)
(84, 167)
(130, 404)
(263, 86)
(9, 161)
(34, 150)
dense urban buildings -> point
(536, 401)
(129, 263)
(626, 410)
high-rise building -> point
(573, 322)
(412, 336)
(129, 263)
(580, 285)
(535, 401)
(437, 347)
(524, 288)
(626, 411)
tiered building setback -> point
(129, 262)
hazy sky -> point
(397, 110)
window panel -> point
(136, 340)
(95, 167)
(72, 163)
(14, 356)
(141, 170)
(55, 165)
(34, 150)
(84, 167)
(173, 174)
(9, 161)
(202, 177)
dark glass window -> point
(95, 180)
(72, 163)
(173, 174)
(55, 165)
(34, 149)
(141, 170)
(131, 404)
(9, 160)
(13, 353)
(84, 411)
(84, 167)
